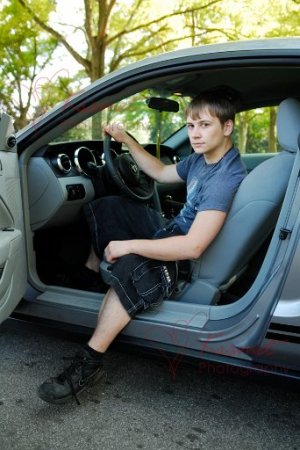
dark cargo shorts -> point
(140, 283)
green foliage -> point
(136, 32)
(253, 131)
(23, 53)
(283, 18)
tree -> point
(23, 53)
(52, 91)
(117, 32)
(255, 130)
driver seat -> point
(252, 217)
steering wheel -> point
(126, 174)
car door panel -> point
(13, 273)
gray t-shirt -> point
(209, 186)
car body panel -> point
(13, 273)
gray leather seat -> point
(252, 216)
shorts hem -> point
(126, 302)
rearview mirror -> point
(163, 104)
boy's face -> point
(208, 136)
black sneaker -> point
(83, 372)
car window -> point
(135, 116)
(255, 131)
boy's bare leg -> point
(111, 320)
(86, 368)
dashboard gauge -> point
(82, 157)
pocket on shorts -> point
(154, 281)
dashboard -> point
(59, 179)
(75, 157)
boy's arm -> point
(203, 231)
(163, 173)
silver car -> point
(239, 305)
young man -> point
(141, 248)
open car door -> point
(13, 269)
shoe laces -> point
(79, 363)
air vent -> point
(64, 163)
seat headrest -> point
(288, 124)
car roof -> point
(255, 47)
(229, 64)
(259, 73)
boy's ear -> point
(228, 127)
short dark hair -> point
(218, 102)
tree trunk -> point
(243, 127)
(272, 142)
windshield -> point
(134, 115)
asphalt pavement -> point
(144, 403)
